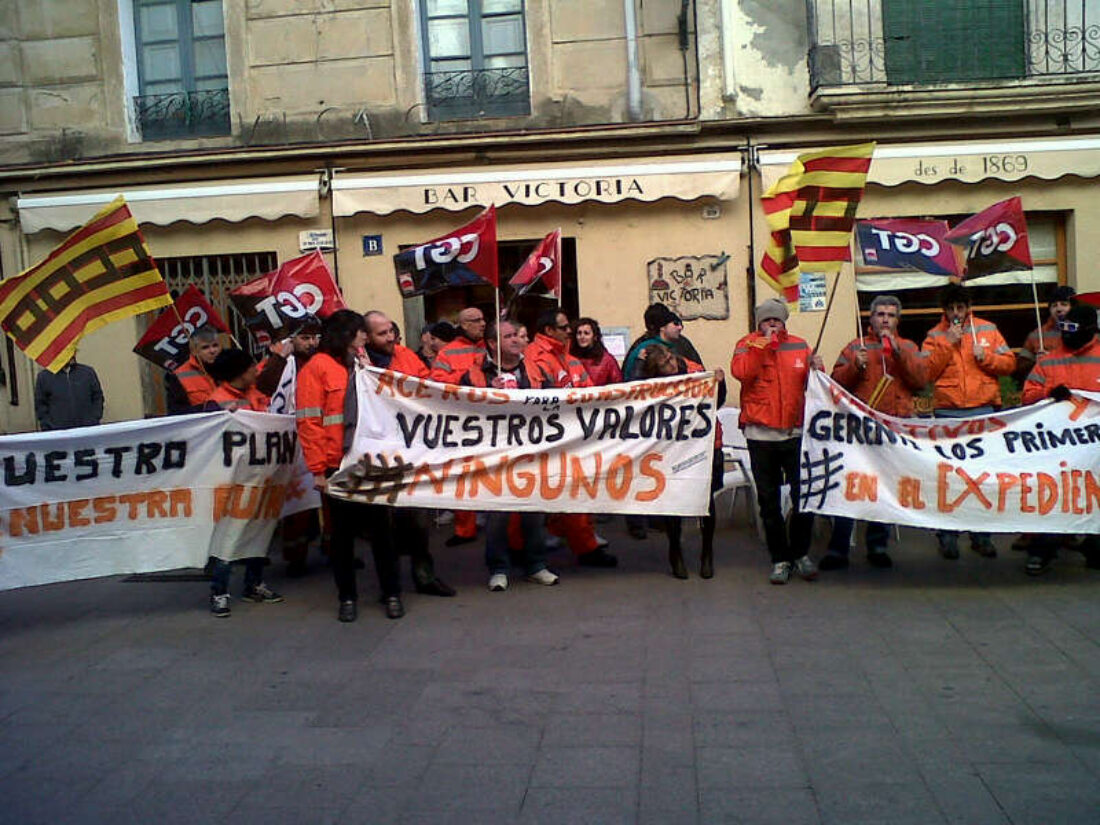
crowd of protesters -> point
(960, 361)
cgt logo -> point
(1000, 237)
(461, 248)
(304, 299)
(175, 342)
(906, 243)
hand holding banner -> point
(299, 287)
(165, 342)
(465, 257)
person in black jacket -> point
(71, 397)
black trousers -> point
(392, 531)
(773, 464)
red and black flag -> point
(465, 257)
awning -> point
(967, 161)
(684, 178)
(268, 198)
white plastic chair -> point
(737, 474)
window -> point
(182, 77)
(475, 58)
(215, 276)
(1006, 299)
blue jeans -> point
(878, 536)
(496, 543)
(219, 575)
(953, 535)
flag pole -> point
(496, 296)
(828, 307)
(1038, 314)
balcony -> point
(952, 50)
(183, 115)
(477, 93)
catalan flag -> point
(101, 273)
(810, 212)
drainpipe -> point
(633, 70)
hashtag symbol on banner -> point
(371, 480)
(819, 477)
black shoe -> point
(597, 558)
(348, 612)
(435, 587)
(295, 569)
(878, 558)
(949, 546)
(1038, 565)
(636, 531)
(394, 608)
(676, 562)
(706, 565)
(455, 541)
(833, 561)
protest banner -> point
(166, 341)
(300, 287)
(141, 496)
(643, 447)
(1021, 470)
(907, 243)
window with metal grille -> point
(183, 80)
(215, 276)
(475, 58)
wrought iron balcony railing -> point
(893, 42)
(476, 93)
(183, 114)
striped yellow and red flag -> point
(101, 273)
(811, 211)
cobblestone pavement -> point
(936, 692)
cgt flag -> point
(907, 243)
(810, 212)
(995, 240)
(165, 342)
(467, 256)
(544, 262)
(102, 272)
(301, 286)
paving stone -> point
(591, 767)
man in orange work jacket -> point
(189, 386)
(464, 353)
(772, 366)
(1074, 365)
(1048, 337)
(883, 370)
(966, 354)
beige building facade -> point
(646, 131)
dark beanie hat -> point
(657, 315)
(230, 363)
(443, 330)
(1062, 293)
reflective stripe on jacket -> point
(1078, 370)
(773, 379)
(960, 382)
(456, 358)
(196, 381)
(319, 401)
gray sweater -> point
(69, 398)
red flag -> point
(907, 243)
(302, 286)
(465, 257)
(544, 262)
(995, 240)
(1091, 298)
(165, 342)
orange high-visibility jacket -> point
(250, 399)
(196, 381)
(960, 382)
(550, 365)
(452, 362)
(773, 379)
(905, 364)
(322, 385)
(1078, 370)
(407, 362)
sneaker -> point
(1038, 565)
(544, 576)
(984, 548)
(781, 573)
(597, 558)
(949, 546)
(833, 561)
(394, 608)
(219, 605)
(806, 568)
(261, 594)
(878, 558)
(498, 582)
(348, 612)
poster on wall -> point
(811, 292)
(693, 286)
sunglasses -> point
(1068, 326)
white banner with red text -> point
(1029, 469)
(643, 447)
(143, 496)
